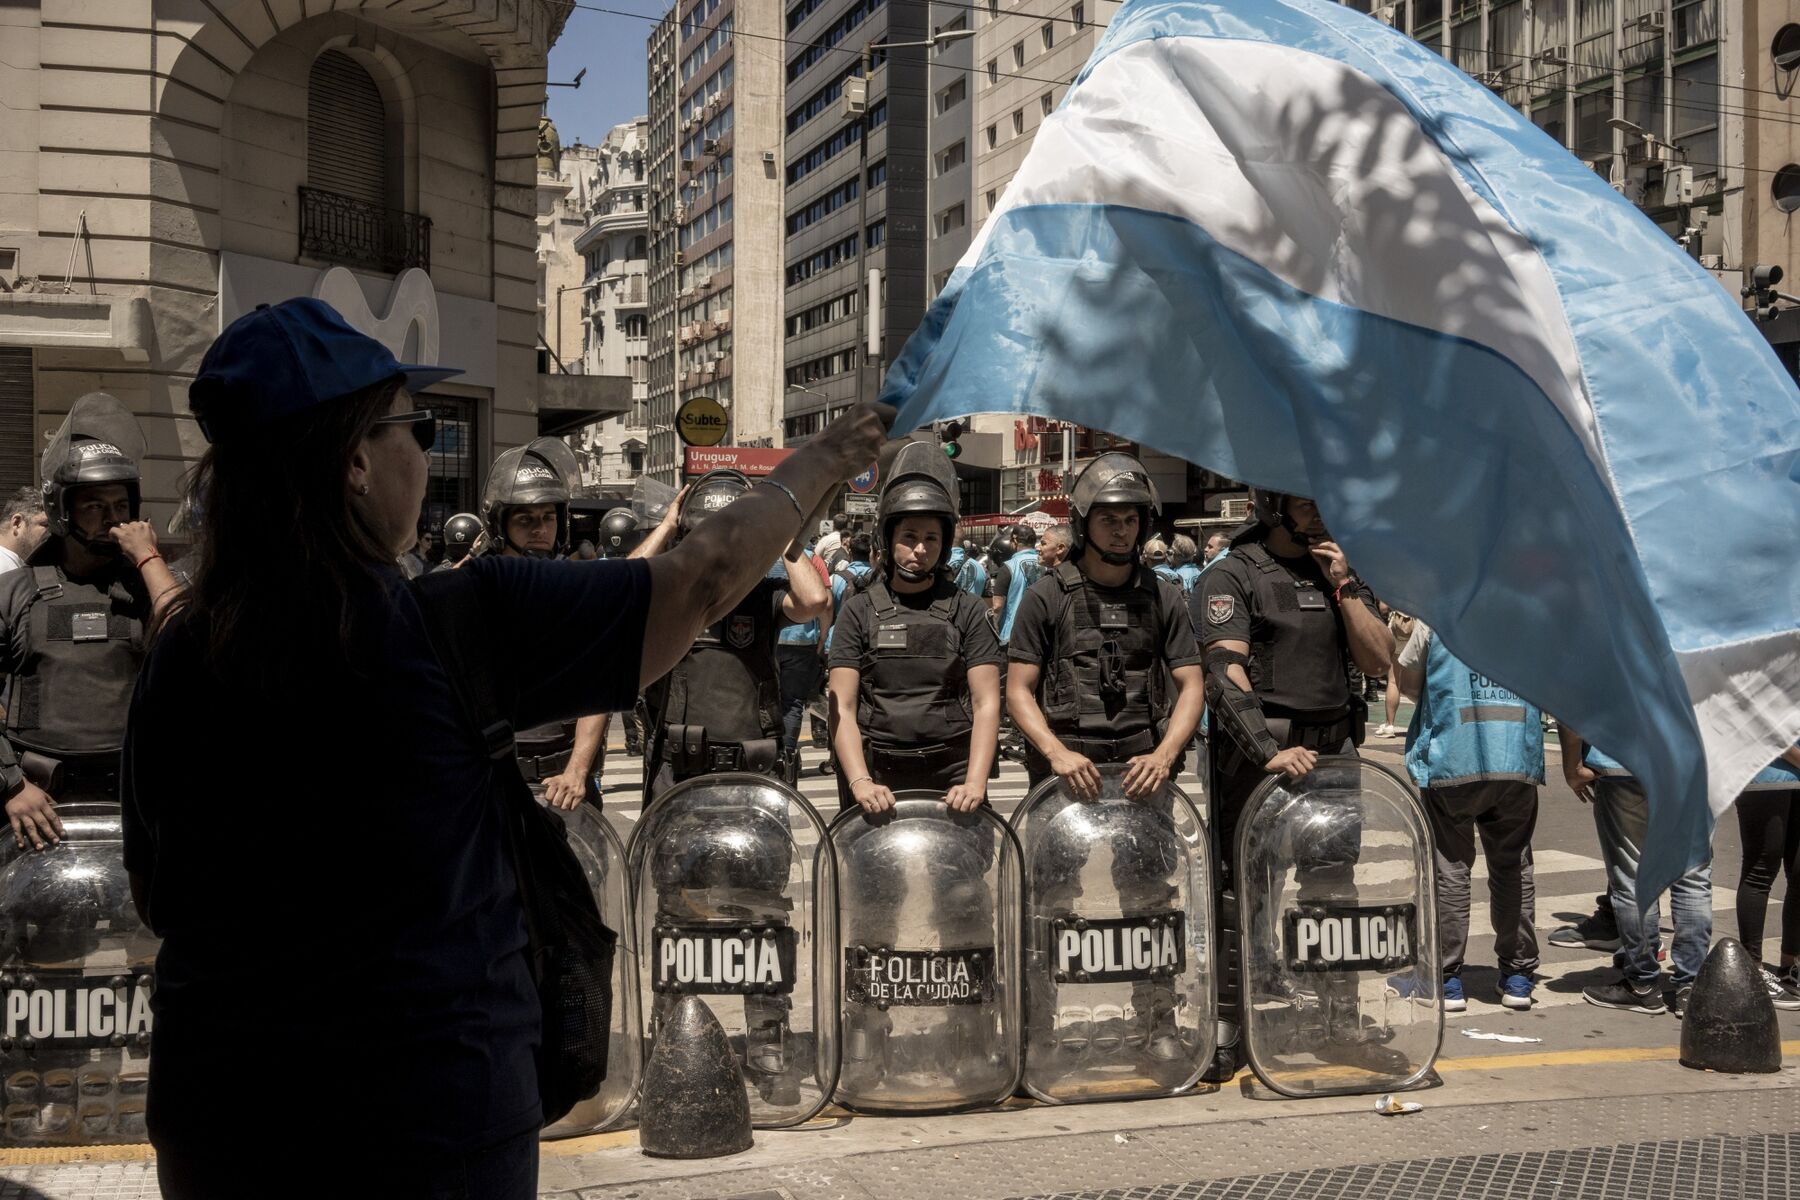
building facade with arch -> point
(167, 165)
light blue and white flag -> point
(1281, 240)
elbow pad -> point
(1238, 712)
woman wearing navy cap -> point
(311, 829)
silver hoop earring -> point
(363, 490)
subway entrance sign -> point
(700, 421)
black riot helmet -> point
(98, 442)
(540, 472)
(710, 493)
(921, 482)
(619, 534)
(1113, 478)
(1001, 548)
(1271, 509)
(460, 534)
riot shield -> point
(1118, 935)
(602, 858)
(930, 941)
(76, 974)
(737, 903)
(1339, 941)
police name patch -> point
(69, 1009)
(709, 960)
(1220, 609)
(1343, 939)
(1115, 949)
(918, 978)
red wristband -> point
(139, 565)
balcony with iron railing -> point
(355, 233)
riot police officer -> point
(1099, 644)
(720, 708)
(915, 668)
(73, 622)
(526, 509)
(1282, 619)
(462, 537)
(619, 533)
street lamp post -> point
(867, 350)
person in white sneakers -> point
(1476, 751)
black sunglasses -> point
(423, 422)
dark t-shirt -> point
(999, 581)
(1034, 640)
(979, 647)
(342, 935)
(1295, 614)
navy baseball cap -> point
(282, 358)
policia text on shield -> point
(407, 888)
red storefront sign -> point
(751, 460)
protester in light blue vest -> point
(1769, 828)
(801, 668)
(852, 573)
(970, 575)
(1622, 820)
(1156, 557)
(1025, 569)
(1477, 753)
(1181, 554)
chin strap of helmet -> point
(102, 546)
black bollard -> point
(694, 1104)
(1730, 1024)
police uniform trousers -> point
(1234, 780)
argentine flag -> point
(1279, 239)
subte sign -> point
(700, 421)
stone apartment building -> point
(165, 166)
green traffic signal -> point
(952, 450)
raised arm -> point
(717, 564)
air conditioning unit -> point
(1651, 22)
(702, 283)
(709, 146)
(687, 164)
(723, 317)
(681, 258)
(1643, 152)
(1553, 56)
(719, 358)
(1236, 509)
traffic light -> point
(948, 435)
(1763, 278)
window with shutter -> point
(18, 465)
(346, 131)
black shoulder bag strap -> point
(570, 950)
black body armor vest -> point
(84, 647)
(728, 683)
(1105, 676)
(915, 686)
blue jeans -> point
(1622, 818)
(801, 670)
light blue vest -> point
(1190, 574)
(1468, 728)
(1778, 776)
(971, 576)
(1026, 570)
